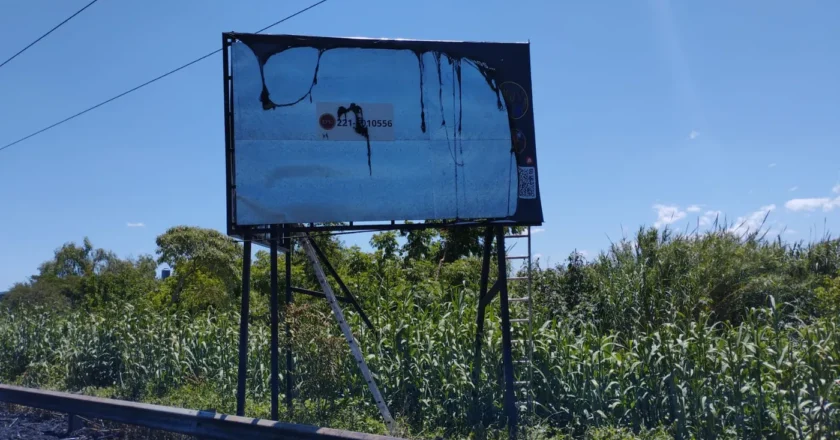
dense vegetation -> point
(686, 336)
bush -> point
(685, 336)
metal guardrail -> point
(204, 424)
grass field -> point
(700, 336)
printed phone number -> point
(366, 123)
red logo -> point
(327, 121)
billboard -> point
(349, 129)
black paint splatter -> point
(359, 126)
(264, 50)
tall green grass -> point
(705, 336)
(760, 378)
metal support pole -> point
(275, 349)
(507, 355)
(287, 241)
(74, 423)
(479, 321)
(243, 326)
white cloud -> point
(709, 217)
(667, 214)
(693, 208)
(537, 230)
(791, 232)
(135, 225)
(772, 165)
(752, 222)
(793, 188)
(812, 204)
(694, 134)
(815, 203)
(535, 256)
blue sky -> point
(647, 112)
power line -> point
(153, 80)
(290, 16)
(49, 32)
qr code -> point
(527, 183)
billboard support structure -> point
(243, 326)
(275, 340)
(287, 241)
(486, 297)
(298, 167)
(317, 258)
(312, 254)
(479, 321)
(347, 293)
(507, 350)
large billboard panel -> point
(350, 129)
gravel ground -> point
(28, 424)
(32, 425)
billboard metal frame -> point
(256, 231)
(279, 237)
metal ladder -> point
(522, 330)
(348, 333)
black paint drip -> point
(359, 127)
(264, 51)
(422, 103)
(460, 106)
(266, 100)
(489, 76)
(452, 151)
(458, 145)
(455, 135)
(440, 90)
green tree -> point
(118, 279)
(420, 244)
(385, 245)
(85, 276)
(45, 294)
(189, 250)
(67, 271)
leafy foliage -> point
(684, 336)
(84, 276)
(193, 252)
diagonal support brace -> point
(485, 300)
(340, 282)
(479, 332)
(309, 249)
(318, 294)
